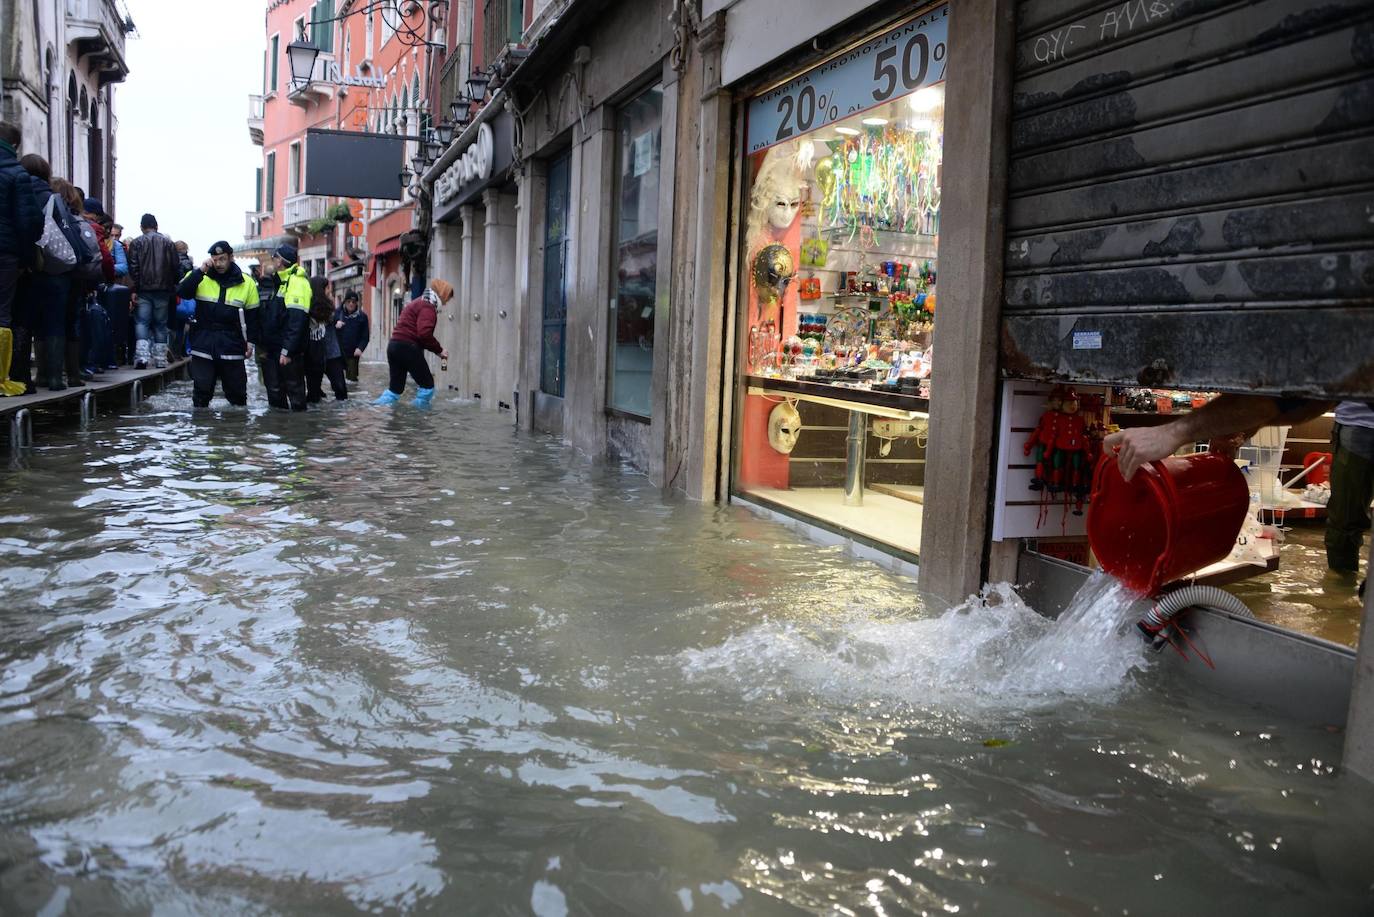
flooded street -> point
(383, 661)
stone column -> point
(473, 316)
(524, 296)
(584, 396)
(500, 314)
(445, 261)
(459, 371)
(533, 193)
(963, 421)
(708, 424)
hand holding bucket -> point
(1174, 516)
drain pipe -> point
(1168, 606)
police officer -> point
(284, 321)
(226, 304)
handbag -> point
(59, 256)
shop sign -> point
(333, 73)
(895, 63)
(484, 160)
(473, 165)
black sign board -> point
(353, 164)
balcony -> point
(503, 23)
(97, 31)
(255, 115)
(318, 89)
(255, 244)
(299, 210)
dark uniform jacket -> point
(286, 314)
(225, 304)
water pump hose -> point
(1168, 606)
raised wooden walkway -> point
(121, 386)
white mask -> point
(782, 211)
(784, 427)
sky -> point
(183, 149)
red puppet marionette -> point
(1071, 449)
(1041, 442)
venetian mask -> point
(773, 270)
(784, 427)
(782, 210)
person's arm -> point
(252, 316)
(28, 211)
(134, 266)
(1219, 421)
(367, 333)
(425, 323)
(187, 288)
(297, 297)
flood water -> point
(391, 661)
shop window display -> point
(839, 302)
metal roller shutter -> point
(1191, 195)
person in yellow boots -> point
(21, 225)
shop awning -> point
(387, 247)
(381, 251)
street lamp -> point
(404, 176)
(432, 150)
(445, 133)
(302, 53)
(418, 163)
(477, 85)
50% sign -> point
(895, 63)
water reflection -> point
(403, 661)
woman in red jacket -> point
(412, 336)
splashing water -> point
(993, 651)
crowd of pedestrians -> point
(70, 284)
(77, 299)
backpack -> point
(91, 267)
(59, 256)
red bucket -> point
(1173, 517)
(1322, 473)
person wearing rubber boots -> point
(284, 320)
(21, 225)
(227, 318)
(413, 335)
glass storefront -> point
(639, 135)
(838, 288)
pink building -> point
(371, 75)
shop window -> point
(557, 234)
(837, 296)
(635, 259)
